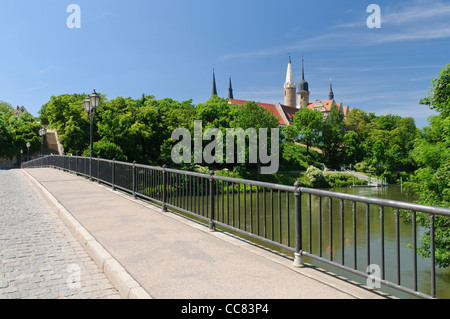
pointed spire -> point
(303, 86)
(230, 89)
(331, 95)
(214, 89)
(303, 68)
(289, 75)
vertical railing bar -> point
(298, 258)
(179, 190)
(342, 233)
(169, 188)
(197, 195)
(134, 179)
(113, 171)
(188, 193)
(217, 197)
(355, 243)
(271, 215)
(245, 208)
(164, 188)
(279, 217)
(397, 239)
(238, 203)
(264, 212)
(185, 197)
(251, 210)
(203, 196)
(320, 226)
(382, 241)
(288, 234)
(310, 222)
(433, 261)
(211, 202)
(414, 235)
(228, 206)
(368, 234)
(257, 210)
(223, 203)
(330, 209)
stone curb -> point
(128, 287)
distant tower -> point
(214, 89)
(331, 94)
(230, 90)
(303, 90)
(290, 98)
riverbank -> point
(331, 179)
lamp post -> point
(42, 134)
(90, 105)
(28, 147)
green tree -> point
(308, 124)
(252, 115)
(333, 130)
(431, 182)
(7, 137)
(5, 107)
(352, 148)
(66, 114)
(439, 94)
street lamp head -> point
(42, 132)
(28, 144)
(95, 100)
(87, 105)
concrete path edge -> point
(126, 285)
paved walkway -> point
(150, 254)
(39, 256)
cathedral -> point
(294, 99)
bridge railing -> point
(295, 219)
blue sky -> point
(169, 48)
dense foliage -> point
(16, 131)
(431, 181)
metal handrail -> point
(205, 197)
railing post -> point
(212, 226)
(98, 169)
(298, 257)
(164, 189)
(113, 174)
(134, 179)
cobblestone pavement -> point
(39, 256)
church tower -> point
(290, 87)
(331, 94)
(230, 89)
(303, 90)
(214, 89)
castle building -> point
(294, 99)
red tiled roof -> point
(289, 111)
(269, 107)
(326, 104)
